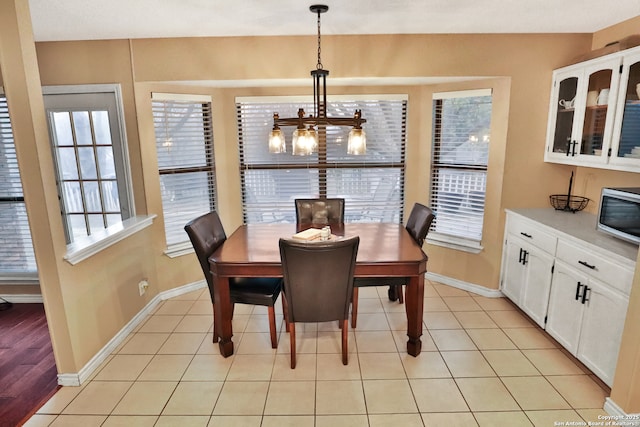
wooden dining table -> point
(386, 250)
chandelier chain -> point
(319, 65)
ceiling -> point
(119, 19)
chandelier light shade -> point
(357, 143)
(277, 141)
(305, 138)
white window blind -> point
(17, 259)
(372, 184)
(461, 137)
(184, 145)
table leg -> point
(414, 301)
(223, 314)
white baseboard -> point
(619, 417)
(76, 379)
(22, 298)
(465, 286)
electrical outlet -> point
(142, 287)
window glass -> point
(461, 138)
(184, 146)
(17, 259)
(90, 157)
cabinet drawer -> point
(533, 234)
(594, 265)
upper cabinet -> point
(594, 114)
(625, 144)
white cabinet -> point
(594, 113)
(625, 153)
(527, 265)
(587, 318)
(580, 129)
(571, 280)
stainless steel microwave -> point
(619, 213)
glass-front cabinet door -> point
(582, 112)
(626, 137)
(564, 106)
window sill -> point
(86, 247)
(456, 243)
(19, 279)
(179, 249)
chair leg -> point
(285, 313)
(272, 327)
(292, 339)
(400, 293)
(354, 308)
(345, 340)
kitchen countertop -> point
(582, 226)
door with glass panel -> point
(90, 161)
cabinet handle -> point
(593, 267)
(521, 256)
(568, 146)
(578, 291)
(528, 236)
(584, 294)
(573, 148)
(525, 258)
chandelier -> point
(305, 137)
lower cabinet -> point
(587, 317)
(527, 277)
(577, 292)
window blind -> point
(17, 260)
(372, 184)
(184, 145)
(461, 137)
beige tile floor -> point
(483, 363)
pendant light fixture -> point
(305, 137)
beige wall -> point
(96, 298)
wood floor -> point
(27, 367)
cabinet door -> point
(601, 332)
(562, 124)
(537, 283)
(564, 318)
(581, 120)
(602, 79)
(512, 269)
(625, 147)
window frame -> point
(184, 246)
(84, 247)
(462, 243)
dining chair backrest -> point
(320, 211)
(318, 278)
(206, 234)
(419, 222)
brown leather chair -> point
(207, 234)
(417, 225)
(318, 284)
(320, 211)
